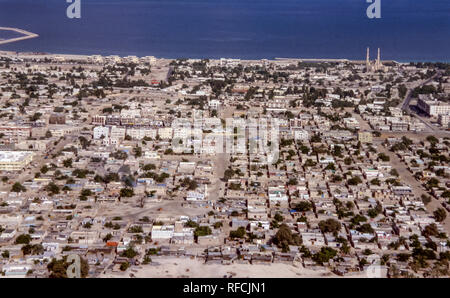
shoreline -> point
(312, 60)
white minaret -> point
(368, 59)
(379, 60)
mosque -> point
(375, 65)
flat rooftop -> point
(14, 156)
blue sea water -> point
(409, 30)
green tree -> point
(354, 180)
(324, 255)
(330, 226)
(44, 169)
(129, 252)
(67, 163)
(52, 188)
(23, 239)
(278, 217)
(383, 157)
(107, 237)
(35, 249)
(202, 231)
(239, 233)
(137, 151)
(433, 140)
(440, 214)
(365, 228)
(58, 268)
(303, 206)
(284, 237)
(124, 266)
(228, 174)
(17, 187)
(5, 254)
(126, 192)
(86, 192)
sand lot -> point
(184, 267)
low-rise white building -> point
(15, 160)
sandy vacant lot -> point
(184, 267)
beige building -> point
(14, 134)
(165, 133)
(14, 160)
(118, 132)
(444, 120)
(140, 133)
(39, 145)
(60, 131)
(365, 137)
(433, 107)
